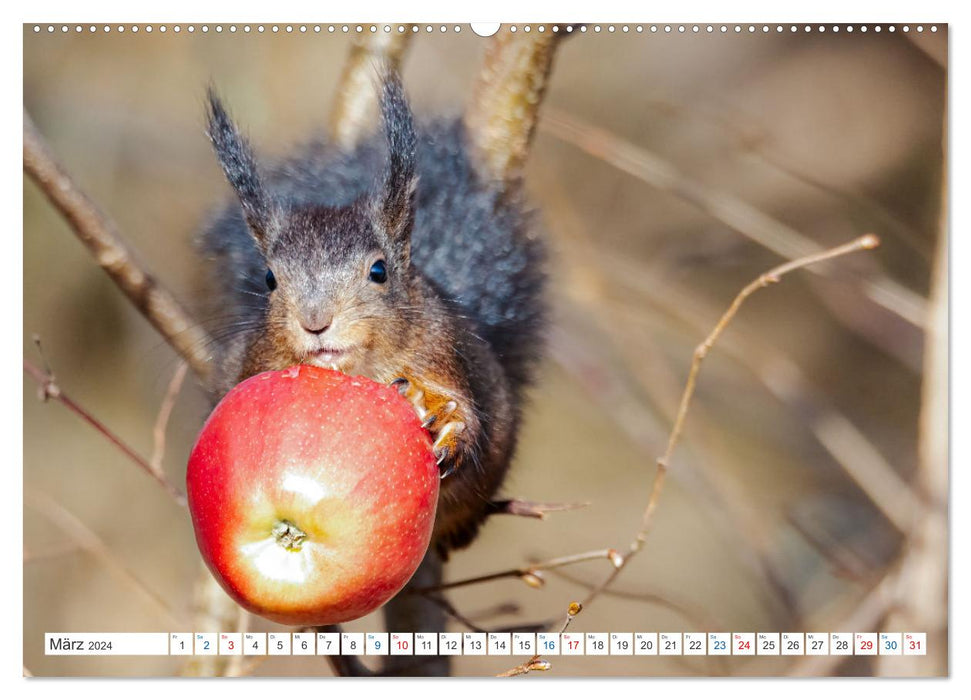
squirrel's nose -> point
(316, 324)
(316, 331)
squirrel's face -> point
(337, 289)
(337, 277)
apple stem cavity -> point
(289, 536)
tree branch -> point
(536, 662)
(100, 235)
(530, 509)
(502, 114)
(356, 104)
(735, 213)
(774, 275)
(162, 419)
(50, 390)
(530, 575)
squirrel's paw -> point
(439, 416)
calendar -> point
(487, 644)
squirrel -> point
(394, 260)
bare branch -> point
(774, 275)
(530, 509)
(162, 420)
(355, 105)
(531, 575)
(536, 662)
(100, 235)
(502, 114)
(700, 622)
(922, 591)
(733, 212)
(845, 442)
(50, 390)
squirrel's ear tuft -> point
(239, 165)
(397, 204)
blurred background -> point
(670, 170)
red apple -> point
(312, 494)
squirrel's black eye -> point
(378, 272)
(270, 280)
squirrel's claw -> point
(434, 420)
(444, 446)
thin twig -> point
(536, 662)
(774, 275)
(162, 420)
(49, 389)
(531, 575)
(845, 442)
(703, 622)
(100, 235)
(531, 509)
(612, 381)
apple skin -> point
(342, 459)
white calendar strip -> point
(487, 644)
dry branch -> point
(356, 105)
(530, 575)
(100, 235)
(530, 509)
(536, 662)
(731, 211)
(774, 275)
(49, 389)
(162, 419)
(502, 114)
(922, 589)
(845, 442)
